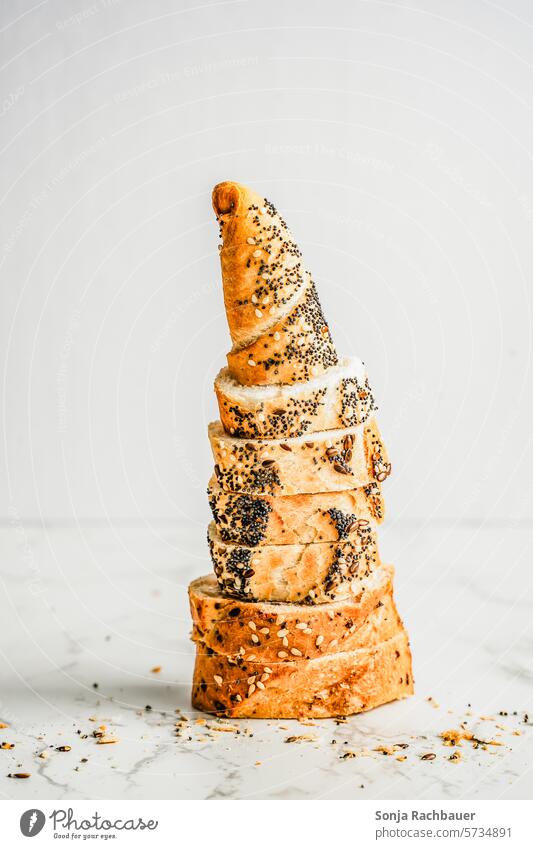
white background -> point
(396, 139)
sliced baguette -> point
(265, 632)
(289, 519)
(341, 397)
(298, 347)
(312, 573)
(332, 685)
(262, 267)
(327, 461)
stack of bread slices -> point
(299, 618)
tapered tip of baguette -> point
(227, 197)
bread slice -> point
(265, 632)
(298, 347)
(262, 268)
(341, 397)
(311, 573)
(327, 461)
(331, 685)
(290, 519)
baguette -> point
(331, 685)
(311, 573)
(262, 267)
(341, 397)
(296, 348)
(290, 519)
(266, 632)
(327, 461)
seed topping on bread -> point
(244, 515)
(341, 397)
(298, 619)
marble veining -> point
(88, 613)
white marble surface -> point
(87, 604)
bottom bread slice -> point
(332, 685)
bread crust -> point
(310, 573)
(291, 519)
(298, 347)
(332, 685)
(341, 397)
(262, 267)
(329, 461)
(300, 620)
(261, 631)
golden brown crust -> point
(300, 620)
(342, 397)
(331, 685)
(298, 347)
(261, 631)
(310, 573)
(262, 268)
(274, 315)
(330, 461)
(291, 519)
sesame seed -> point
(301, 626)
(283, 632)
(250, 240)
(238, 698)
(251, 657)
(217, 679)
(252, 625)
(267, 669)
(308, 631)
(255, 299)
(319, 640)
(260, 685)
(296, 652)
(251, 363)
(285, 642)
(264, 630)
(266, 299)
(277, 336)
(264, 276)
(282, 654)
(332, 643)
(265, 676)
(257, 253)
(251, 689)
(273, 311)
(251, 679)
(258, 313)
(311, 594)
(255, 638)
